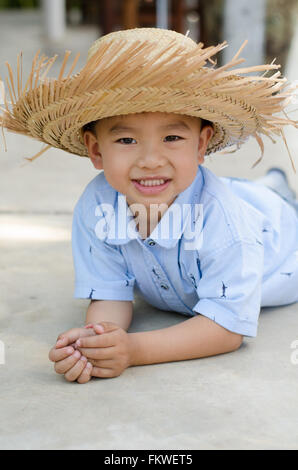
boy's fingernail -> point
(78, 343)
(77, 354)
(69, 350)
(59, 342)
(83, 358)
(90, 325)
(100, 328)
(89, 365)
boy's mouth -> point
(152, 181)
(151, 186)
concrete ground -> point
(243, 400)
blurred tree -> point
(211, 21)
(90, 10)
(19, 4)
(281, 21)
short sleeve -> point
(230, 287)
(101, 271)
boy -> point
(214, 249)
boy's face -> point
(139, 146)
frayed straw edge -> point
(228, 152)
(261, 145)
(287, 147)
(240, 50)
(30, 159)
(3, 136)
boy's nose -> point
(151, 159)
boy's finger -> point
(86, 374)
(59, 354)
(99, 329)
(71, 336)
(102, 373)
(98, 353)
(106, 326)
(61, 367)
(103, 364)
(61, 342)
(96, 341)
(74, 373)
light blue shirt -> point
(233, 250)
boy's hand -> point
(67, 360)
(108, 351)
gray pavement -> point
(243, 400)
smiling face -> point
(157, 146)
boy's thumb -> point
(105, 327)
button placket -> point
(159, 278)
(164, 286)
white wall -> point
(245, 19)
(54, 17)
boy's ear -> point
(90, 140)
(205, 136)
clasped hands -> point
(100, 350)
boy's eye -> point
(129, 140)
(173, 138)
(126, 140)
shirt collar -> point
(180, 216)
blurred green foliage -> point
(75, 3)
(19, 4)
(280, 25)
(281, 21)
(212, 22)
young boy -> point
(155, 220)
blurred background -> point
(55, 181)
(269, 24)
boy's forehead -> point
(162, 119)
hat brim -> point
(123, 77)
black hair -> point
(205, 123)
(90, 127)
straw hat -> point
(146, 70)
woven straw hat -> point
(146, 70)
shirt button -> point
(151, 243)
(164, 286)
(156, 273)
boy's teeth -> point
(151, 182)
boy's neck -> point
(146, 225)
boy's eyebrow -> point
(118, 127)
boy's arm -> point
(197, 337)
(115, 311)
